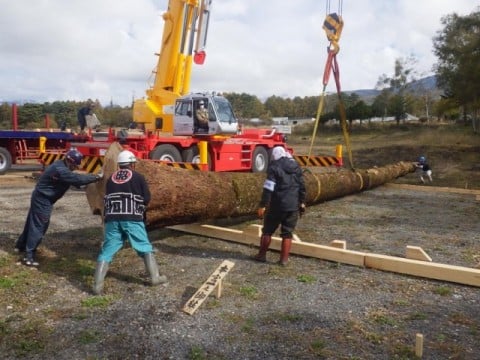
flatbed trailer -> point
(17, 146)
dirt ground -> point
(311, 309)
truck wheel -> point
(192, 155)
(166, 152)
(5, 160)
(259, 160)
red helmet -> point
(74, 157)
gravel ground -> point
(311, 309)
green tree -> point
(457, 47)
(245, 106)
(380, 104)
(276, 106)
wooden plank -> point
(452, 273)
(433, 189)
(416, 253)
(298, 247)
(212, 283)
(421, 268)
(339, 244)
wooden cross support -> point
(212, 283)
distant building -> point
(291, 122)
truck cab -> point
(221, 120)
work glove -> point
(99, 176)
(301, 209)
(261, 212)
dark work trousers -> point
(36, 225)
(274, 218)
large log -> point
(182, 196)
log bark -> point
(182, 196)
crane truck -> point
(166, 125)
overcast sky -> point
(104, 49)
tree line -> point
(457, 96)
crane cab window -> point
(183, 108)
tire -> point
(166, 152)
(259, 160)
(192, 155)
(5, 160)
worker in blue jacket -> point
(51, 186)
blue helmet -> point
(422, 159)
(74, 157)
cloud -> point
(104, 49)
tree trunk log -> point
(182, 196)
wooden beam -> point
(298, 247)
(339, 244)
(417, 253)
(444, 272)
(421, 268)
(433, 189)
(419, 345)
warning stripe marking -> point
(305, 160)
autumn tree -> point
(397, 87)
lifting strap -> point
(333, 26)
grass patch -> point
(247, 326)
(443, 290)
(89, 337)
(85, 268)
(382, 317)
(197, 353)
(418, 316)
(4, 261)
(4, 330)
(7, 283)
(374, 338)
(463, 319)
(401, 351)
(250, 292)
(97, 302)
(307, 279)
(317, 347)
(30, 338)
(401, 302)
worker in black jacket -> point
(283, 201)
(51, 186)
(126, 198)
(82, 114)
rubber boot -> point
(265, 241)
(152, 269)
(100, 272)
(286, 245)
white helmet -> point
(126, 157)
